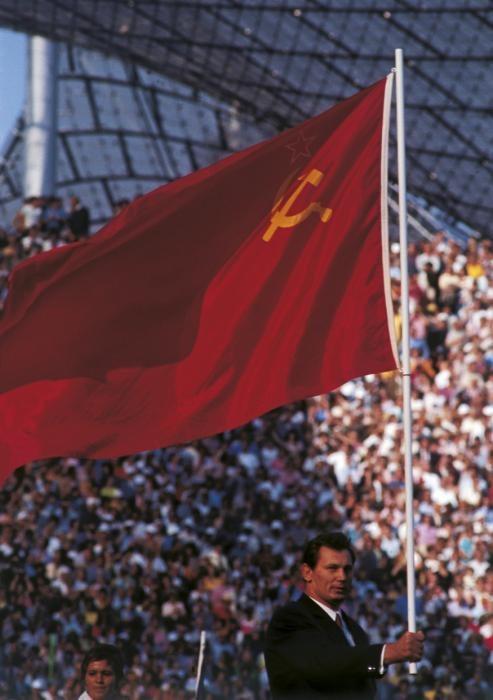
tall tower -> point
(41, 118)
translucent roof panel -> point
(123, 132)
(280, 61)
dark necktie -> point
(344, 629)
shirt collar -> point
(330, 611)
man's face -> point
(330, 580)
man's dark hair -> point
(104, 652)
(332, 540)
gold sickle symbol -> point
(280, 217)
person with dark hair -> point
(101, 673)
(316, 650)
(78, 219)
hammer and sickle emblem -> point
(282, 219)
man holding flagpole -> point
(315, 650)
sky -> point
(12, 80)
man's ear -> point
(306, 572)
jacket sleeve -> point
(297, 649)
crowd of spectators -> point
(148, 550)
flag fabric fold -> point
(251, 283)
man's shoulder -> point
(286, 620)
(293, 610)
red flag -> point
(243, 286)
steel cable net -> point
(281, 62)
(124, 130)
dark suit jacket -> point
(309, 658)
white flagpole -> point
(406, 365)
(200, 663)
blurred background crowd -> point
(146, 551)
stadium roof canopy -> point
(124, 130)
(270, 64)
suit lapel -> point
(323, 621)
(358, 634)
